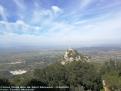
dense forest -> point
(83, 75)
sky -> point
(57, 23)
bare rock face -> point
(105, 85)
(72, 55)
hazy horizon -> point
(60, 23)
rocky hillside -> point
(72, 55)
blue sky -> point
(75, 23)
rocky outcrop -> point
(72, 55)
(105, 86)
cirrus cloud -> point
(50, 26)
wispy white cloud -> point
(43, 17)
(20, 4)
(3, 14)
(61, 33)
(56, 9)
(85, 3)
(21, 8)
(19, 27)
(49, 27)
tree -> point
(4, 82)
(53, 75)
(111, 72)
(84, 74)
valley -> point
(29, 60)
